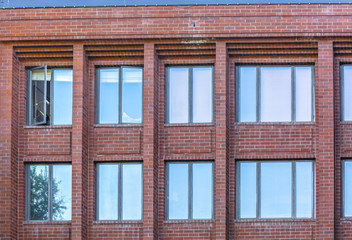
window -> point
(119, 95)
(275, 189)
(189, 190)
(346, 89)
(119, 191)
(346, 167)
(48, 188)
(189, 95)
(275, 94)
(49, 96)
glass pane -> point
(202, 190)
(275, 94)
(178, 99)
(348, 188)
(38, 96)
(248, 188)
(303, 94)
(276, 190)
(61, 191)
(347, 96)
(108, 192)
(248, 94)
(132, 191)
(132, 95)
(109, 96)
(178, 191)
(62, 106)
(202, 95)
(304, 189)
(39, 188)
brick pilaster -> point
(221, 153)
(325, 141)
(8, 142)
(79, 144)
(150, 146)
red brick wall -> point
(156, 37)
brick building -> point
(187, 122)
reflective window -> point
(275, 189)
(346, 188)
(274, 94)
(346, 90)
(119, 101)
(49, 192)
(189, 190)
(120, 191)
(189, 95)
(50, 96)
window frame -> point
(29, 96)
(343, 189)
(342, 95)
(119, 191)
(120, 92)
(258, 188)
(50, 195)
(258, 93)
(190, 93)
(190, 190)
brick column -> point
(8, 142)
(221, 153)
(324, 89)
(79, 144)
(150, 146)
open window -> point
(49, 96)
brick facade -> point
(156, 37)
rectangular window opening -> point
(189, 94)
(49, 192)
(119, 95)
(119, 194)
(49, 96)
(190, 190)
(275, 189)
(275, 94)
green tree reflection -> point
(39, 196)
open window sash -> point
(38, 95)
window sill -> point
(27, 222)
(122, 125)
(181, 221)
(276, 123)
(119, 222)
(189, 124)
(48, 127)
(274, 220)
(346, 122)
